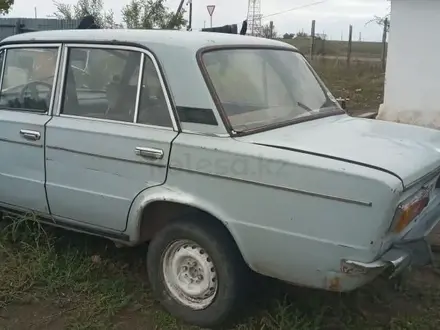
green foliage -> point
(149, 14)
(268, 32)
(138, 14)
(5, 6)
(83, 8)
(302, 34)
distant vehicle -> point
(226, 153)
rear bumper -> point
(412, 249)
(401, 256)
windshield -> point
(264, 87)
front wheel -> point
(196, 271)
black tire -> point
(231, 271)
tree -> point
(302, 34)
(382, 21)
(105, 19)
(289, 35)
(269, 31)
(5, 6)
(149, 14)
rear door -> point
(112, 136)
(27, 93)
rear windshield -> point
(263, 87)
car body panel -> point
(281, 200)
(405, 150)
(22, 168)
(93, 166)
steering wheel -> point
(32, 88)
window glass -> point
(262, 87)
(28, 78)
(101, 83)
(153, 108)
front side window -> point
(28, 78)
(263, 87)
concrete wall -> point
(412, 81)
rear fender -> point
(166, 194)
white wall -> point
(412, 80)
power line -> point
(296, 8)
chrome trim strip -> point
(140, 50)
(22, 143)
(139, 89)
(298, 191)
(221, 135)
(3, 69)
(32, 45)
(424, 178)
(105, 157)
(117, 122)
(60, 89)
(54, 83)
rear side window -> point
(153, 108)
(101, 83)
(28, 78)
(105, 83)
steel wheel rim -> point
(189, 274)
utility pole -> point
(172, 22)
(190, 3)
(312, 34)
(271, 29)
(350, 41)
(384, 44)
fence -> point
(12, 26)
(317, 45)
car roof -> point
(191, 40)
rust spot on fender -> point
(335, 284)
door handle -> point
(149, 152)
(30, 135)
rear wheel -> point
(196, 272)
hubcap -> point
(189, 274)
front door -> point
(112, 138)
(25, 105)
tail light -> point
(408, 210)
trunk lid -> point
(409, 152)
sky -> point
(333, 17)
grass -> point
(361, 82)
(337, 48)
(53, 279)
